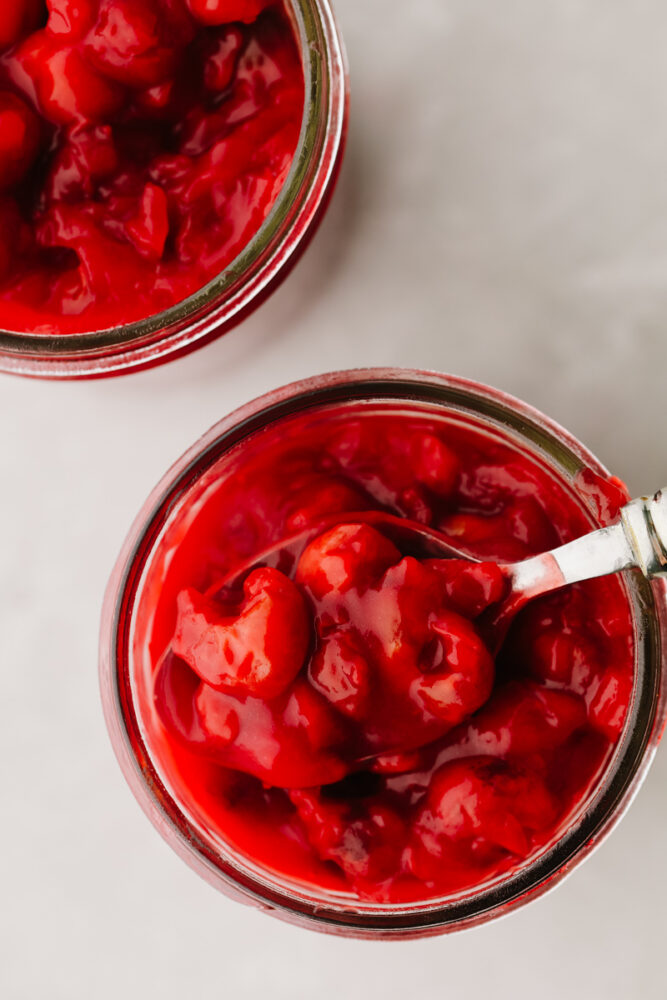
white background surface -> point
(502, 215)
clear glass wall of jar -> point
(264, 262)
(478, 406)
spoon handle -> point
(637, 539)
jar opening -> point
(464, 403)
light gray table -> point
(503, 215)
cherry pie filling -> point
(142, 145)
(337, 719)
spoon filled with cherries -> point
(637, 539)
(258, 663)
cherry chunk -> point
(259, 649)
(477, 812)
(137, 42)
(349, 556)
(20, 138)
(293, 741)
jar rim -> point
(261, 264)
(602, 809)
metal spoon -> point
(637, 539)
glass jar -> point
(264, 262)
(477, 406)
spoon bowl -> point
(410, 537)
(637, 539)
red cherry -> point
(258, 650)
(365, 842)
(20, 138)
(86, 155)
(340, 671)
(525, 718)
(306, 710)
(131, 42)
(478, 810)
(67, 87)
(461, 678)
(434, 464)
(470, 587)
(520, 530)
(345, 557)
(290, 742)
(565, 658)
(322, 496)
(107, 267)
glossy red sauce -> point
(338, 719)
(142, 145)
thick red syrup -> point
(142, 145)
(340, 721)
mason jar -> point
(246, 282)
(122, 654)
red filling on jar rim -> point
(339, 720)
(142, 145)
